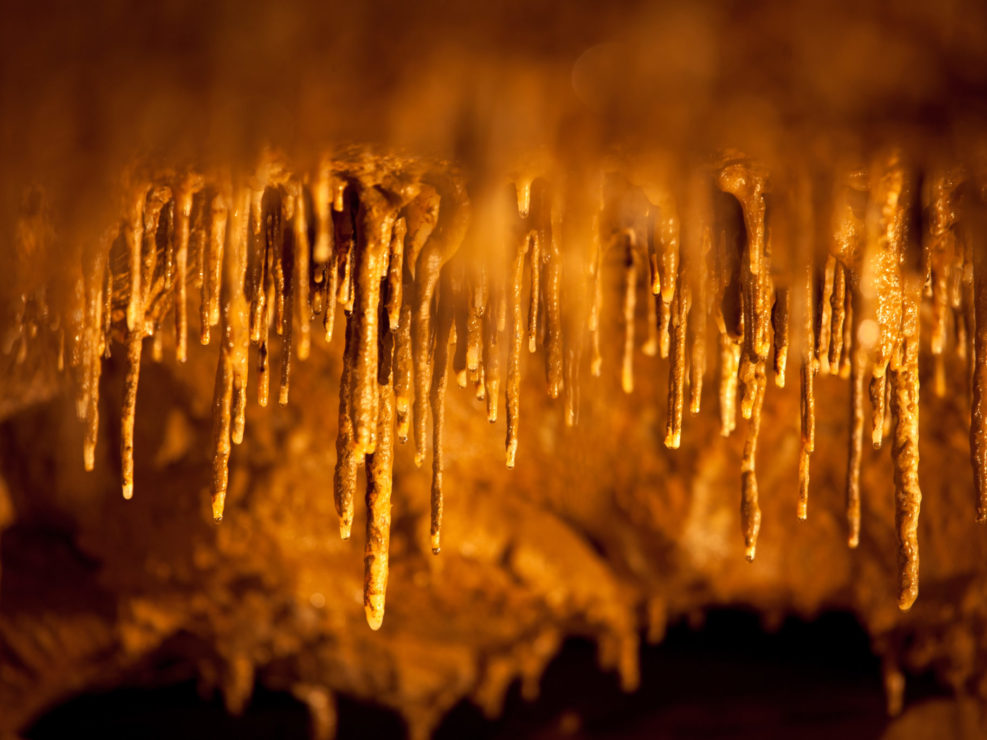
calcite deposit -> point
(616, 235)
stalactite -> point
(534, 262)
(379, 467)
(331, 291)
(60, 352)
(460, 330)
(807, 398)
(978, 411)
(437, 392)
(941, 260)
(676, 374)
(479, 385)
(157, 198)
(664, 329)
(750, 512)
(427, 260)
(697, 322)
(476, 310)
(257, 264)
(322, 250)
(904, 380)
(747, 186)
(492, 330)
(856, 441)
(403, 371)
(584, 204)
(780, 327)
(375, 222)
(884, 222)
(667, 234)
(284, 299)
(265, 300)
(395, 274)
(838, 312)
(650, 346)
(235, 337)
(572, 362)
(596, 307)
(825, 334)
(107, 313)
(184, 195)
(277, 234)
(134, 234)
(848, 335)
(94, 339)
(301, 274)
(343, 204)
(237, 308)
(630, 301)
(878, 394)
(729, 364)
(517, 337)
(347, 457)
(212, 266)
(553, 302)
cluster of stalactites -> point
(426, 272)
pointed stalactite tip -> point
(374, 610)
(218, 504)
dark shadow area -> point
(171, 712)
(728, 678)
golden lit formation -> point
(432, 268)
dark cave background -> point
(723, 675)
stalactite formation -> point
(387, 239)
